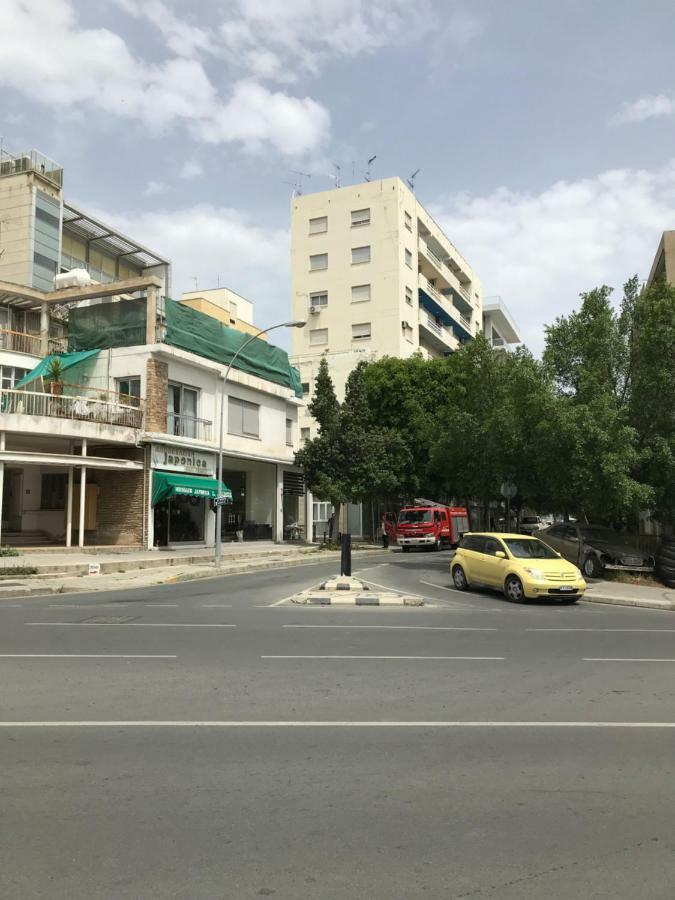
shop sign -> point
(180, 459)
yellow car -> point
(525, 568)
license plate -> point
(567, 587)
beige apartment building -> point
(664, 261)
(225, 305)
(375, 276)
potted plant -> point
(55, 376)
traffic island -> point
(344, 590)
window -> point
(360, 217)
(360, 255)
(53, 492)
(408, 295)
(492, 546)
(408, 220)
(130, 385)
(318, 300)
(243, 418)
(318, 336)
(289, 432)
(41, 260)
(305, 387)
(360, 293)
(304, 434)
(318, 225)
(10, 376)
(407, 331)
(318, 261)
(181, 418)
(408, 258)
(233, 309)
(361, 332)
(322, 511)
(474, 543)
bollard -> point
(346, 555)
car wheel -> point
(514, 591)
(592, 567)
(459, 578)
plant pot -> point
(56, 388)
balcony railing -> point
(104, 407)
(498, 342)
(434, 325)
(189, 427)
(464, 292)
(19, 342)
(58, 344)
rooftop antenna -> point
(411, 180)
(297, 188)
(194, 278)
(370, 162)
(336, 177)
(300, 175)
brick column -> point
(156, 395)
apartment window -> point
(305, 388)
(243, 418)
(10, 375)
(360, 255)
(360, 293)
(289, 432)
(41, 260)
(408, 220)
(318, 225)
(130, 385)
(407, 331)
(360, 217)
(408, 258)
(53, 492)
(318, 336)
(318, 261)
(361, 332)
(408, 295)
(318, 300)
(304, 435)
(181, 416)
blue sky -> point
(544, 131)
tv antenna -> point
(196, 281)
(336, 177)
(300, 175)
(297, 188)
(411, 180)
(370, 162)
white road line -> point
(163, 605)
(280, 602)
(370, 568)
(216, 606)
(394, 590)
(398, 627)
(621, 630)
(215, 723)
(340, 656)
(86, 656)
(629, 660)
(87, 605)
(11, 606)
(133, 624)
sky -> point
(544, 130)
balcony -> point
(77, 403)
(442, 308)
(19, 342)
(433, 334)
(189, 427)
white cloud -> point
(191, 169)
(656, 106)
(154, 188)
(540, 251)
(95, 69)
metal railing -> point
(498, 342)
(19, 342)
(465, 322)
(58, 344)
(464, 292)
(104, 407)
(434, 325)
(189, 427)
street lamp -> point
(295, 323)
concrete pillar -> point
(278, 529)
(309, 517)
(83, 493)
(69, 507)
(2, 479)
(151, 315)
(44, 329)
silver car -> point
(595, 548)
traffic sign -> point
(222, 500)
(508, 490)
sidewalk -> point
(630, 595)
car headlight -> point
(537, 574)
(579, 573)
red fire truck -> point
(430, 524)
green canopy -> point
(175, 484)
(67, 360)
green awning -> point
(175, 484)
(67, 360)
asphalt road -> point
(209, 740)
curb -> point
(358, 600)
(649, 603)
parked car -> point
(665, 561)
(530, 524)
(595, 548)
(523, 567)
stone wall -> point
(157, 395)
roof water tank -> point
(76, 278)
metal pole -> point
(223, 397)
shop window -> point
(243, 418)
(53, 491)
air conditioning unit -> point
(314, 310)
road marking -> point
(164, 605)
(619, 659)
(398, 627)
(86, 656)
(280, 602)
(133, 624)
(370, 568)
(214, 723)
(340, 656)
(11, 606)
(216, 606)
(86, 605)
(626, 630)
(393, 590)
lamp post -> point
(295, 323)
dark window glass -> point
(53, 492)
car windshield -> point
(522, 548)
(530, 520)
(414, 516)
(597, 533)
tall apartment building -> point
(375, 276)
(664, 261)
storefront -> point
(183, 488)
